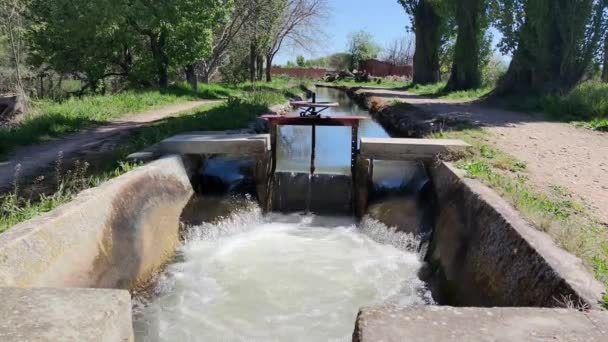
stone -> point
(390, 323)
(43, 314)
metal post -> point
(312, 152)
(354, 147)
(274, 131)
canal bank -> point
(474, 233)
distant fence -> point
(300, 72)
(382, 69)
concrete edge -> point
(389, 323)
(566, 266)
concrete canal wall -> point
(488, 255)
(111, 236)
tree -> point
(399, 51)
(300, 61)
(552, 41)
(427, 24)
(466, 66)
(85, 39)
(605, 64)
(361, 46)
(299, 23)
(339, 61)
(12, 25)
(225, 33)
(180, 33)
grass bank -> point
(437, 90)
(49, 119)
(555, 212)
(237, 112)
(586, 105)
(382, 83)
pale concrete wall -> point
(111, 236)
(65, 315)
(390, 323)
(491, 256)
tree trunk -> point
(206, 77)
(191, 77)
(252, 62)
(605, 67)
(260, 67)
(427, 24)
(157, 45)
(466, 73)
(552, 58)
(268, 68)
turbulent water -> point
(278, 278)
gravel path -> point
(555, 153)
(38, 157)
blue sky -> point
(386, 20)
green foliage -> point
(586, 104)
(300, 61)
(552, 42)
(138, 38)
(438, 90)
(361, 47)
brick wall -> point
(383, 69)
(300, 72)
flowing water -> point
(278, 278)
(333, 143)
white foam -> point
(280, 277)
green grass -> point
(15, 208)
(586, 105)
(437, 90)
(49, 119)
(384, 83)
(553, 211)
(235, 113)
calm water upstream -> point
(278, 278)
(333, 143)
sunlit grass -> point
(586, 105)
(438, 90)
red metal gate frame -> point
(313, 121)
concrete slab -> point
(229, 144)
(389, 323)
(65, 315)
(408, 148)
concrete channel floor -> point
(44, 314)
(388, 323)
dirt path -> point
(38, 157)
(555, 153)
